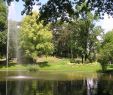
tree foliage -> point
(106, 50)
(53, 9)
(78, 38)
(3, 16)
(3, 28)
(35, 39)
(98, 6)
(3, 39)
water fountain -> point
(12, 35)
(13, 51)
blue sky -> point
(16, 8)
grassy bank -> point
(53, 63)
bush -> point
(103, 62)
(77, 60)
(33, 68)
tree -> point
(98, 6)
(77, 38)
(59, 8)
(106, 50)
(3, 40)
(3, 28)
(35, 39)
(94, 43)
(86, 36)
(3, 16)
(54, 10)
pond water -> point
(55, 83)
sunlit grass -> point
(53, 63)
(74, 67)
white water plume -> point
(12, 35)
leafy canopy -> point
(35, 39)
(106, 50)
(54, 9)
(3, 28)
(3, 16)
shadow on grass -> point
(43, 64)
(4, 64)
(106, 71)
(40, 64)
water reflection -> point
(87, 86)
(91, 86)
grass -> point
(65, 65)
(74, 67)
(53, 63)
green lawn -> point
(53, 63)
(73, 67)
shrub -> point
(77, 60)
(33, 68)
(103, 62)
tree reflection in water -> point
(86, 86)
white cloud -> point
(106, 23)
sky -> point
(16, 8)
(106, 23)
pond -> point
(55, 83)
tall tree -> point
(106, 50)
(77, 38)
(86, 35)
(35, 39)
(3, 27)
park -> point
(56, 49)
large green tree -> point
(78, 38)
(87, 38)
(35, 39)
(106, 50)
(3, 28)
